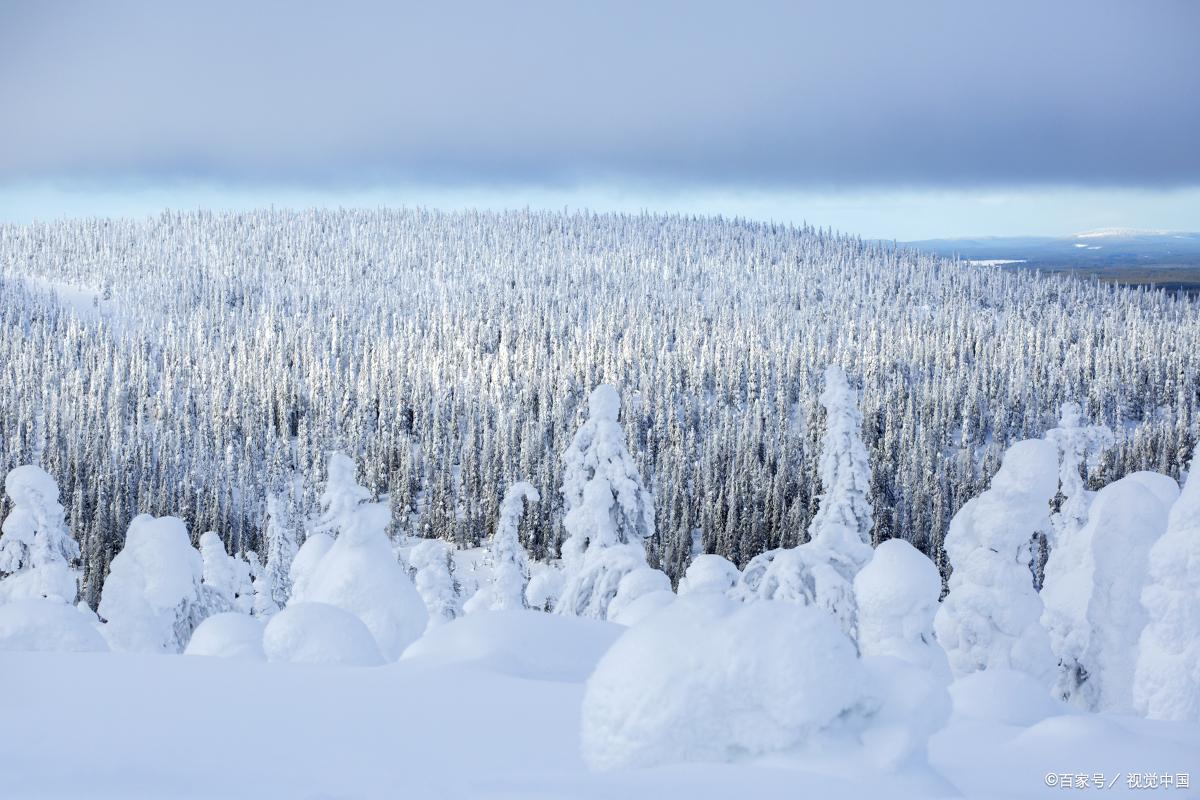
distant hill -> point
(1170, 259)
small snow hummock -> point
(36, 549)
(151, 599)
(318, 633)
(47, 626)
(709, 572)
(228, 635)
(305, 564)
(1092, 594)
(710, 679)
(635, 585)
(991, 617)
(608, 512)
(1167, 674)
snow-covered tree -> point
(1167, 677)
(226, 585)
(264, 604)
(432, 565)
(609, 511)
(151, 601)
(1092, 593)
(1077, 444)
(341, 496)
(281, 547)
(991, 617)
(506, 559)
(709, 573)
(36, 550)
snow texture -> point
(226, 582)
(361, 575)
(151, 600)
(545, 586)
(47, 626)
(709, 679)
(228, 635)
(709, 573)
(304, 565)
(1167, 674)
(317, 633)
(635, 585)
(433, 563)
(1092, 593)
(36, 549)
(505, 559)
(991, 616)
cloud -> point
(769, 94)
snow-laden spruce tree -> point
(281, 547)
(991, 617)
(264, 604)
(1092, 593)
(340, 499)
(36, 550)
(821, 571)
(432, 565)
(609, 513)
(226, 585)
(1167, 677)
(506, 560)
(1077, 443)
(151, 600)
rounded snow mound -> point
(228, 635)
(709, 572)
(317, 633)
(305, 563)
(709, 679)
(1163, 487)
(604, 403)
(897, 598)
(1007, 696)
(47, 626)
(523, 644)
(636, 611)
(545, 585)
(30, 485)
(635, 585)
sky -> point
(895, 120)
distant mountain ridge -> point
(1104, 249)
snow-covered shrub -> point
(151, 600)
(361, 575)
(545, 586)
(1092, 594)
(317, 633)
(820, 572)
(432, 563)
(637, 584)
(1167, 675)
(263, 587)
(228, 635)
(1077, 443)
(709, 573)
(991, 617)
(608, 511)
(226, 584)
(281, 548)
(897, 597)
(36, 549)
(47, 626)
(342, 494)
(305, 564)
(506, 559)
(710, 679)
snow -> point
(545, 586)
(305, 563)
(991, 616)
(152, 595)
(1167, 672)
(709, 679)
(317, 633)
(47, 626)
(361, 575)
(506, 561)
(35, 547)
(644, 606)
(709, 572)
(522, 644)
(897, 595)
(434, 581)
(228, 635)
(635, 585)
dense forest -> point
(195, 363)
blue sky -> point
(898, 120)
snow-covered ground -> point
(488, 706)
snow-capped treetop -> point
(226, 577)
(342, 494)
(604, 403)
(843, 520)
(1077, 443)
(35, 541)
(897, 596)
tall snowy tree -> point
(36, 550)
(280, 540)
(1077, 444)
(506, 559)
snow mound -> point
(644, 606)
(545, 585)
(635, 585)
(228, 635)
(317, 633)
(519, 643)
(1007, 696)
(709, 572)
(1163, 487)
(709, 679)
(604, 403)
(897, 596)
(360, 574)
(47, 626)
(152, 592)
(305, 564)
